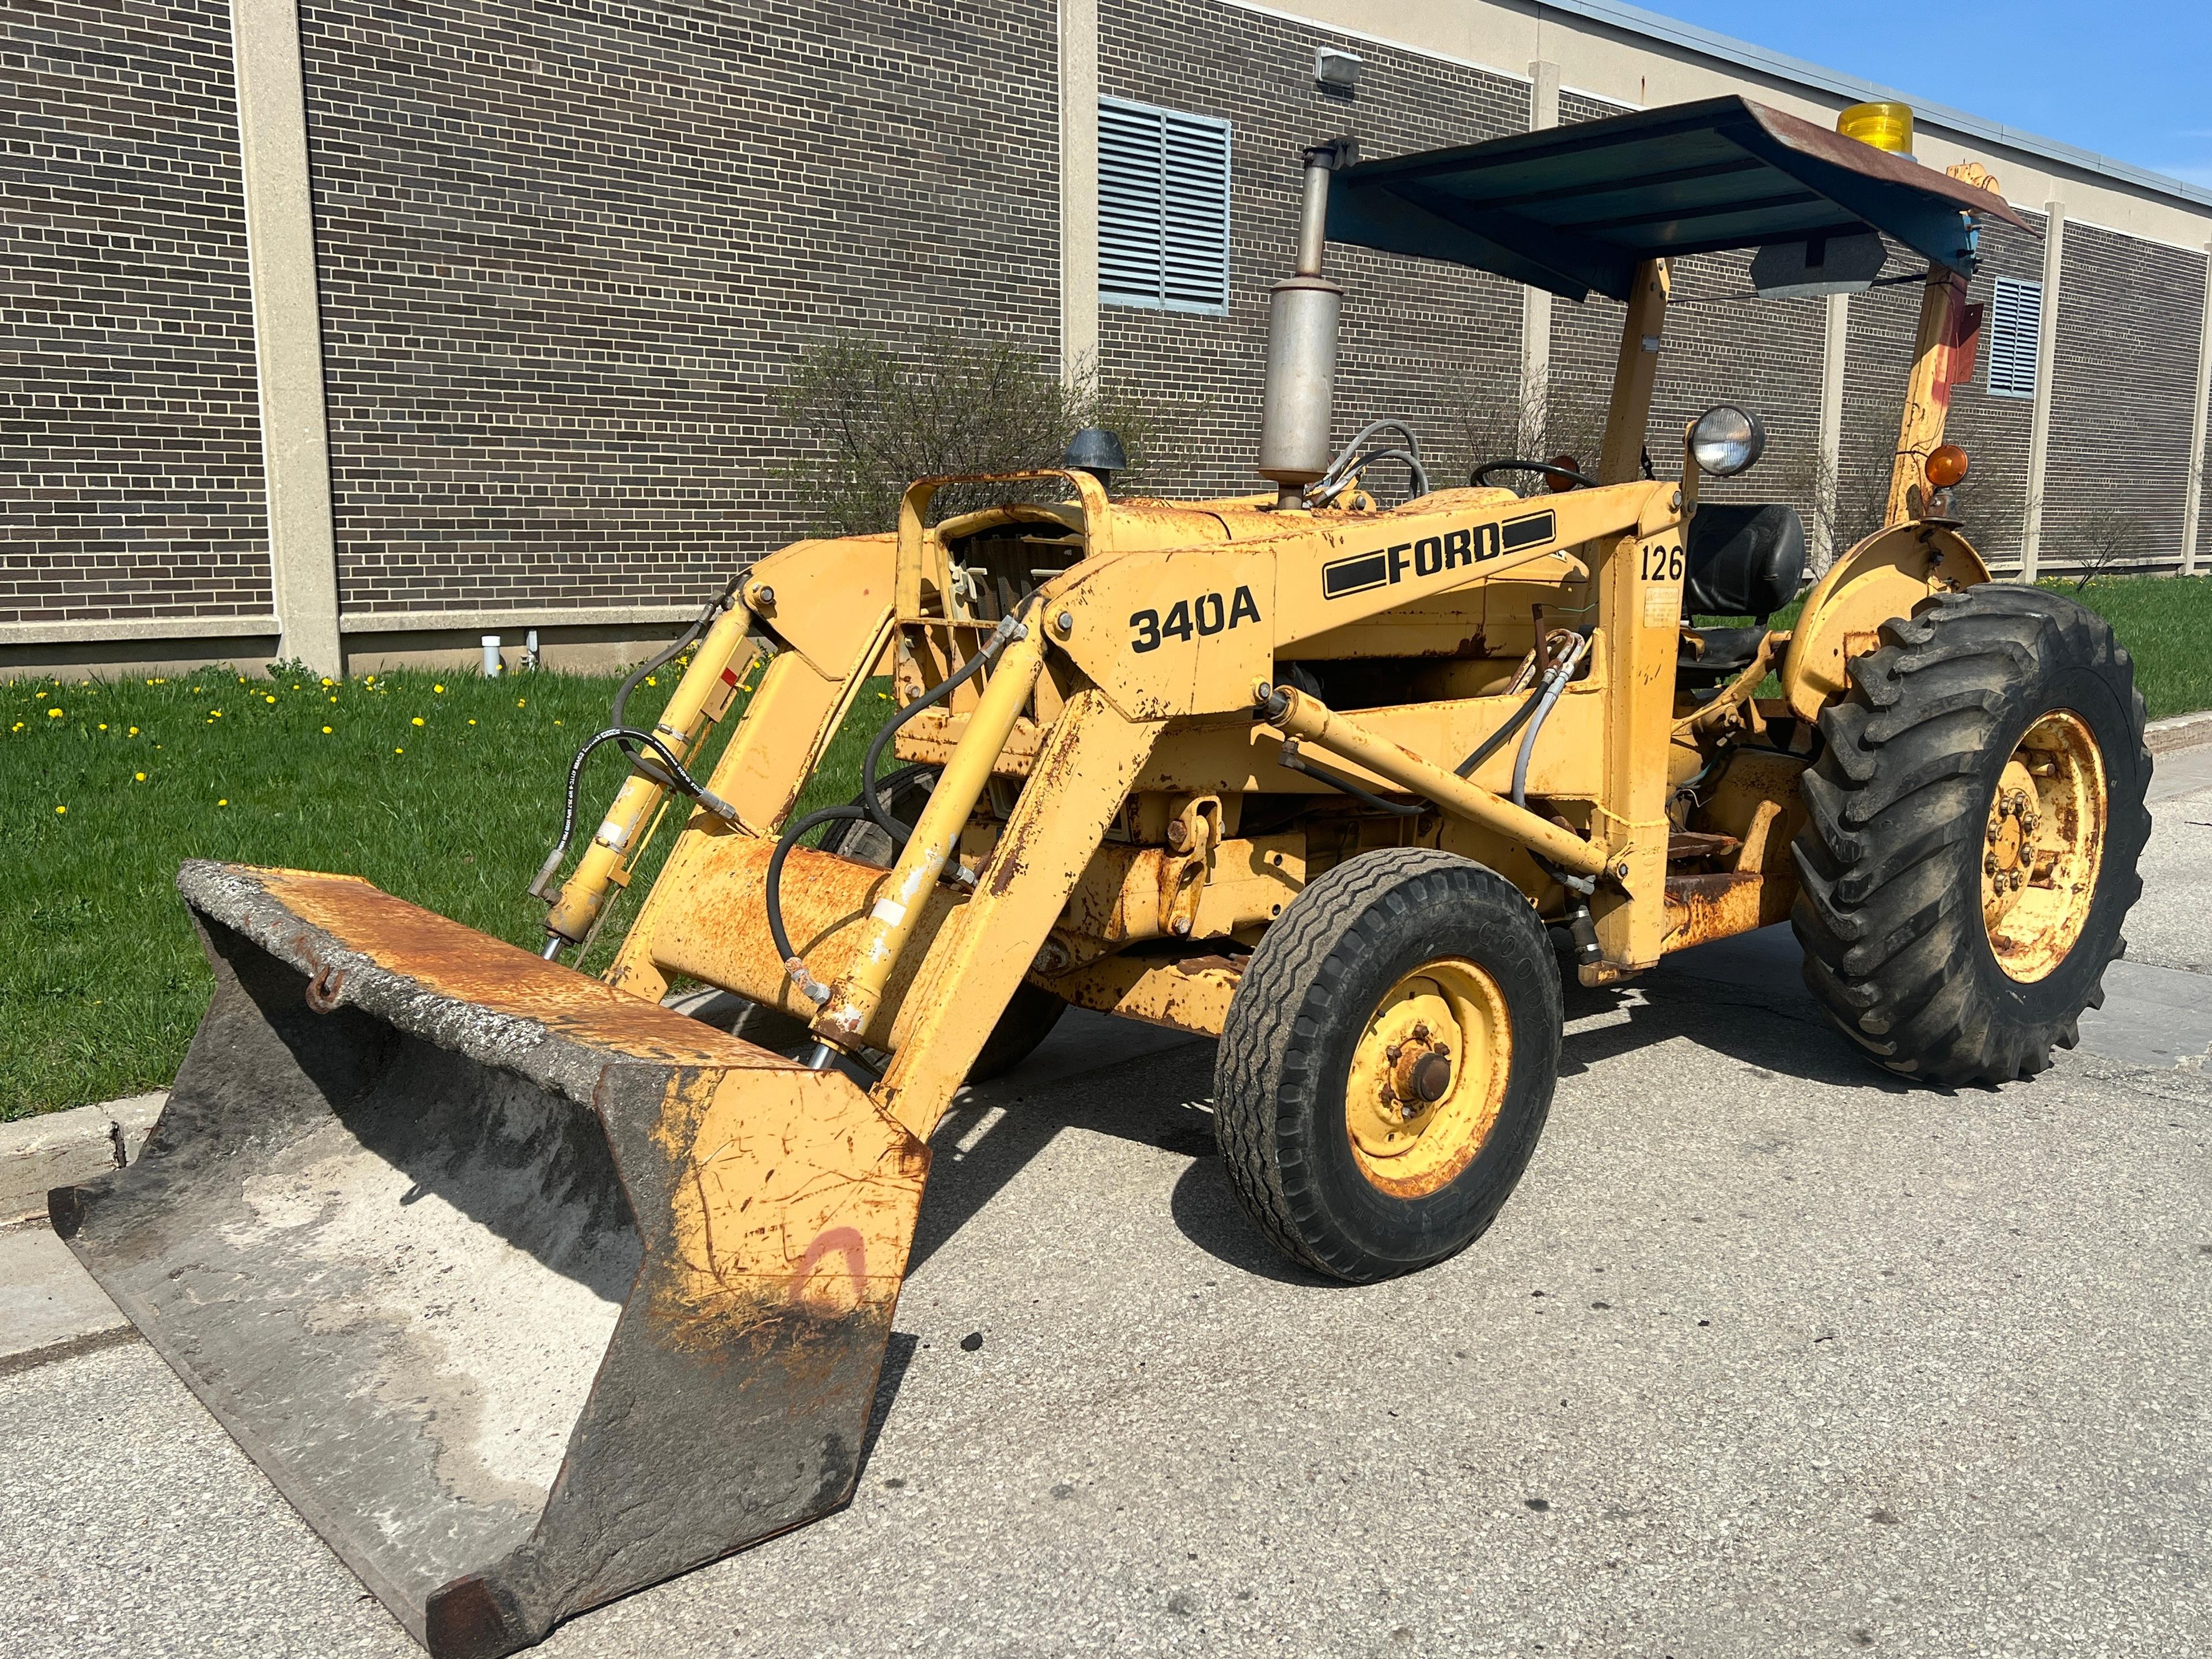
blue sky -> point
(2132, 80)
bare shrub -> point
(1494, 420)
(871, 421)
(2107, 539)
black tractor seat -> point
(1744, 559)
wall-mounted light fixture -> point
(1336, 71)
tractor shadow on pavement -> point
(1742, 1000)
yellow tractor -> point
(528, 1289)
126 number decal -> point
(1663, 564)
(1208, 614)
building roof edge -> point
(1634, 20)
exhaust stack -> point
(1301, 317)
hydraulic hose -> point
(772, 897)
(1498, 740)
(685, 642)
(871, 790)
(870, 806)
(1555, 682)
(670, 774)
(1291, 759)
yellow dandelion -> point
(399, 751)
(103, 725)
(333, 699)
(269, 700)
(141, 776)
(471, 722)
(222, 803)
(216, 714)
(61, 808)
(649, 680)
(327, 680)
(326, 730)
(418, 720)
(53, 714)
(134, 731)
(518, 702)
(437, 687)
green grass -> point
(2165, 622)
(101, 980)
(105, 786)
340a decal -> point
(1207, 615)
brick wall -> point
(1994, 431)
(130, 481)
(1721, 345)
(2128, 314)
(1420, 340)
(570, 252)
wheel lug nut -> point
(1394, 1051)
(1421, 1033)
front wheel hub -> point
(1428, 1076)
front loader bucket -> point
(526, 1293)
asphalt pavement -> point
(1769, 1355)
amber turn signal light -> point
(1945, 466)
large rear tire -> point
(1973, 826)
(1388, 1062)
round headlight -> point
(1727, 440)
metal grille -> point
(2015, 325)
(1163, 208)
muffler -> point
(526, 1293)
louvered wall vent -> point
(1163, 208)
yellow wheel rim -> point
(2043, 847)
(1428, 1077)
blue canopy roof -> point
(1574, 209)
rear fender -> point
(1884, 577)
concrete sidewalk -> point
(1769, 1354)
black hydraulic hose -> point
(684, 640)
(1555, 682)
(870, 807)
(674, 776)
(1503, 735)
(1541, 700)
(772, 896)
(1291, 760)
(870, 789)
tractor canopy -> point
(1573, 209)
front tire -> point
(1972, 830)
(1388, 1062)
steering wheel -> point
(1481, 476)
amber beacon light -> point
(1885, 126)
(1945, 465)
